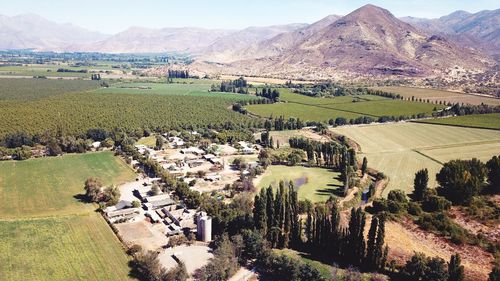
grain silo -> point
(204, 228)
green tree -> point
(455, 269)
(259, 211)
(370, 250)
(364, 166)
(494, 274)
(420, 184)
(93, 188)
(493, 166)
(460, 180)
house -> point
(208, 156)
(122, 215)
(216, 161)
(212, 178)
(193, 150)
(247, 150)
(176, 141)
(96, 144)
(195, 163)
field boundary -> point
(453, 125)
(335, 109)
(427, 156)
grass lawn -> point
(485, 121)
(349, 107)
(147, 141)
(401, 149)
(438, 95)
(315, 184)
(80, 247)
(48, 186)
(174, 89)
(326, 270)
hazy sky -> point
(112, 16)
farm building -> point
(123, 214)
(159, 204)
(153, 216)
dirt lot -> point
(194, 256)
(143, 233)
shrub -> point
(435, 203)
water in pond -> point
(300, 181)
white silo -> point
(204, 228)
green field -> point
(47, 186)
(401, 149)
(315, 184)
(46, 232)
(80, 247)
(43, 70)
(189, 88)
(326, 270)
(33, 89)
(147, 141)
(439, 95)
(485, 121)
(349, 107)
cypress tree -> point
(296, 227)
(364, 166)
(379, 245)
(287, 221)
(371, 251)
(309, 227)
(335, 228)
(420, 184)
(455, 269)
(270, 207)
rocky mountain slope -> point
(30, 31)
(370, 41)
(482, 28)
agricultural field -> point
(48, 186)
(484, 121)
(77, 247)
(349, 107)
(34, 89)
(401, 149)
(46, 232)
(283, 137)
(77, 113)
(314, 184)
(47, 70)
(439, 95)
(191, 89)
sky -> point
(112, 16)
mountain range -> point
(369, 40)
